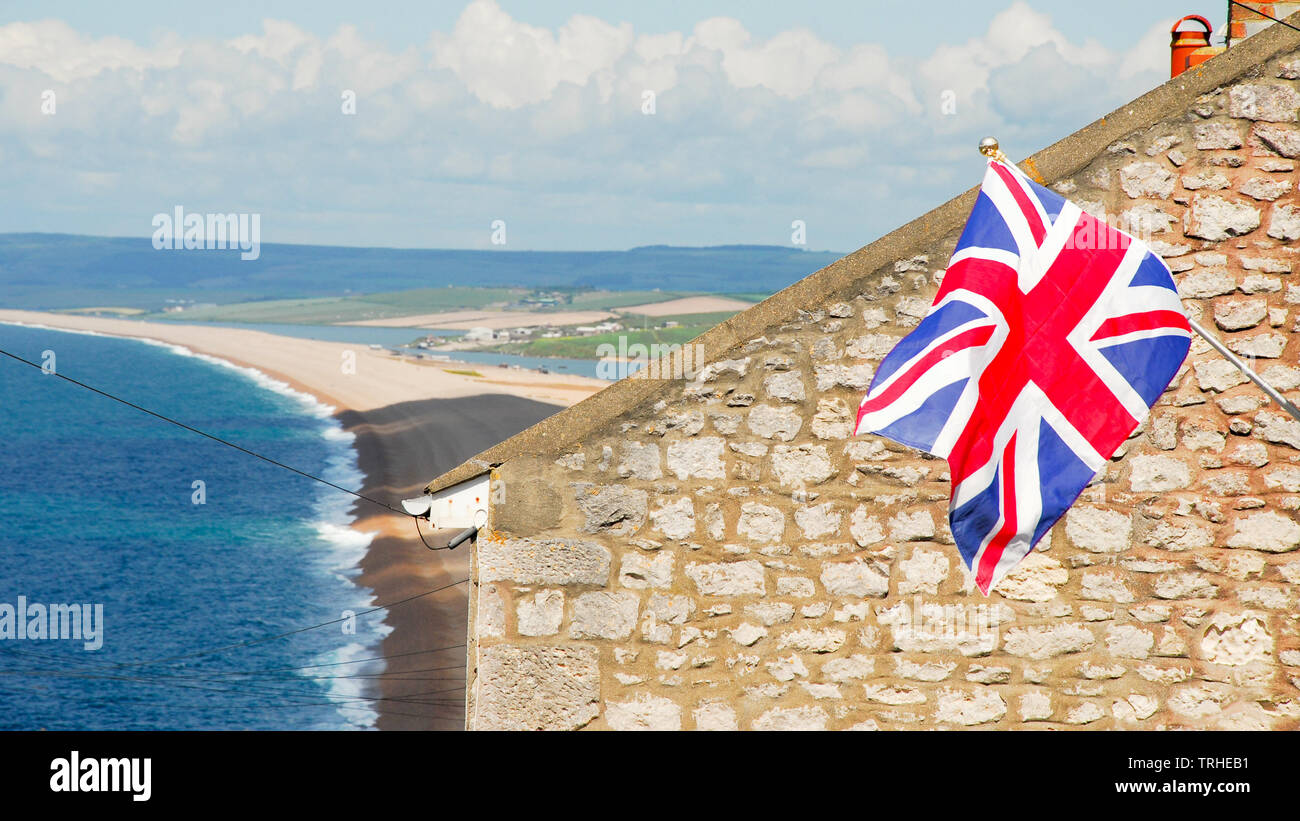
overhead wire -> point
(205, 434)
(1263, 14)
(173, 659)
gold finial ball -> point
(989, 146)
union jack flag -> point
(1050, 338)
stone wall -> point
(726, 555)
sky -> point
(546, 124)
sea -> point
(226, 587)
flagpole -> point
(989, 148)
(1244, 368)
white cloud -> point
(1012, 34)
(497, 115)
(55, 49)
(508, 64)
(1150, 54)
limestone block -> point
(604, 615)
(760, 523)
(675, 518)
(923, 572)
(715, 715)
(865, 529)
(1282, 139)
(1158, 473)
(543, 561)
(915, 526)
(728, 578)
(924, 671)
(1284, 222)
(1263, 101)
(1105, 587)
(792, 718)
(816, 521)
(490, 617)
(1217, 135)
(801, 464)
(774, 423)
(641, 460)
(1129, 641)
(1207, 179)
(1185, 586)
(770, 613)
(536, 688)
(610, 508)
(670, 609)
(1098, 530)
(639, 571)
(786, 386)
(1237, 315)
(854, 578)
(1042, 642)
(856, 377)
(969, 707)
(1146, 179)
(701, 458)
(870, 346)
(644, 712)
(1214, 218)
(541, 614)
(1035, 706)
(809, 640)
(1036, 578)
(1206, 283)
(833, 419)
(849, 669)
(1276, 428)
(1263, 188)
(1267, 531)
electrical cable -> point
(192, 429)
(460, 538)
(1262, 14)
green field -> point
(587, 347)
(610, 300)
(634, 322)
(389, 305)
(327, 310)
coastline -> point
(410, 421)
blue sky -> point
(851, 117)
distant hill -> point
(66, 270)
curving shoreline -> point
(411, 421)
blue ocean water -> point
(98, 506)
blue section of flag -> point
(1068, 477)
(1152, 271)
(974, 521)
(986, 228)
(920, 428)
(1146, 364)
(1051, 202)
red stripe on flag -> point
(993, 553)
(987, 277)
(966, 339)
(1145, 321)
(1022, 199)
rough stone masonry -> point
(725, 555)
